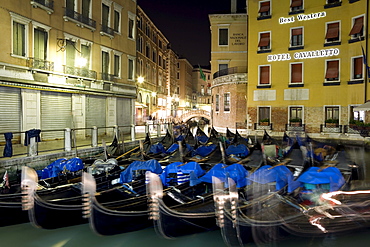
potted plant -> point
(330, 122)
(295, 121)
(265, 121)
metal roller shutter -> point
(124, 112)
(10, 111)
(95, 111)
(56, 114)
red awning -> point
(332, 70)
(264, 39)
(357, 27)
(265, 7)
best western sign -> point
(302, 17)
(304, 55)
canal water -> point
(26, 235)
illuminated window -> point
(296, 37)
(223, 36)
(40, 44)
(296, 73)
(227, 102)
(19, 39)
(295, 112)
(332, 70)
(85, 53)
(357, 65)
(105, 65)
(264, 9)
(70, 53)
(264, 42)
(264, 74)
(332, 32)
(217, 102)
(332, 112)
(357, 28)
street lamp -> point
(140, 79)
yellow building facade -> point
(306, 66)
(229, 69)
(67, 64)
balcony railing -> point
(267, 126)
(79, 72)
(108, 77)
(107, 30)
(47, 4)
(335, 128)
(229, 71)
(40, 64)
(295, 127)
(73, 15)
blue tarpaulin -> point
(191, 167)
(269, 174)
(172, 148)
(8, 149)
(202, 139)
(157, 148)
(235, 171)
(52, 170)
(239, 150)
(318, 176)
(150, 165)
(205, 150)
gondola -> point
(273, 212)
(128, 210)
(198, 215)
(52, 208)
(11, 192)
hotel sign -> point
(304, 55)
(302, 17)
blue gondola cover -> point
(150, 165)
(8, 149)
(316, 176)
(188, 168)
(268, 174)
(239, 150)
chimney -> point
(233, 6)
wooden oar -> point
(130, 151)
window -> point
(223, 36)
(356, 115)
(86, 9)
(117, 65)
(296, 5)
(116, 21)
(226, 102)
(264, 9)
(264, 74)
(105, 64)
(222, 67)
(217, 100)
(296, 37)
(70, 53)
(85, 54)
(131, 28)
(263, 113)
(40, 44)
(332, 32)
(70, 5)
(147, 51)
(357, 28)
(296, 73)
(19, 39)
(264, 42)
(357, 68)
(105, 15)
(130, 75)
(139, 44)
(332, 70)
(331, 112)
(295, 112)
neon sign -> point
(304, 55)
(302, 17)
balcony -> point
(105, 30)
(47, 5)
(235, 75)
(39, 64)
(298, 126)
(80, 72)
(79, 19)
(263, 126)
(331, 128)
(108, 77)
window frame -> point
(354, 67)
(301, 43)
(130, 59)
(217, 103)
(296, 107)
(260, 77)
(295, 9)
(222, 42)
(361, 33)
(332, 40)
(291, 73)
(264, 48)
(25, 22)
(328, 115)
(336, 79)
(264, 14)
(259, 117)
(131, 31)
(227, 102)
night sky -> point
(186, 25)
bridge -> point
(195, 113)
